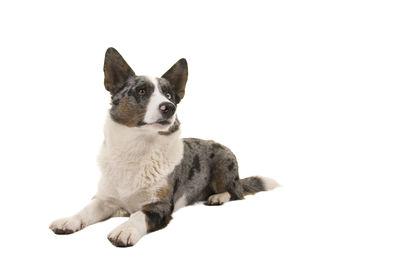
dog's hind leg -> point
(225, 182)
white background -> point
(306, 92)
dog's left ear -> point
(116, 71)
(177, 76)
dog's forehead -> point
(143, 81)
(163, 83)
(133, 84)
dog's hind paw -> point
(218, 199)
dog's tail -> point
(254, 184)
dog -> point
(148, 171)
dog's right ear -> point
(116, 71)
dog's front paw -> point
(125, 235)
(67, 225)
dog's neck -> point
(137, 139)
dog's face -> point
(142, 101)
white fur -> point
(180, 203)
(153, 113)
(129, 233)
(269, 183)
(134, 163)
(220, 198)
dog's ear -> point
(177, 76)
(116, 71)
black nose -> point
(167, 109)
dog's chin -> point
(158, 125)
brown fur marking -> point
(217, 178)
(129, 114)
(165, 192)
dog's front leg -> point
(97, 210)
(150, 218)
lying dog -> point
(148, 171)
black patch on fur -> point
(188, 144)
(195, 166)
(196, 162)
(172, 129)
(158, 215)
(176, 185)
(212, 155)
(230, 167)
(156, 221)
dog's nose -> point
(167, 109)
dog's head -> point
(143, 101)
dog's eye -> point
(142, 92)
(168, 95)
(115, 101)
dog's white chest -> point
(134, 169)
(131, 181)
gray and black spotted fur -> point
(207, 168)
